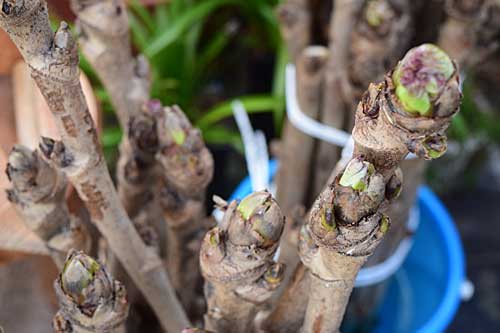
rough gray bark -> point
(186, 168)
(236, 261)
(295, 23)
(38, 194)
(337, 88)
(471, 31)
(346, 224)
(53, 60)
(297, 148)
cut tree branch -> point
(236, 261)
(337, 88)
(295, 23)
(186, 170)
(103, 34)
(104, 39)
(53, 60)
(297, 148)
(472, 30)
(407, 112)
(380, 38)
(90, 300)
(38, 194)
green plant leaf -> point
(253, 104)
(219, 135)
(213, 48)
(138, 8)
(162, 17)
(187, 19)
(279, 86)
(139, 34)
(111, 137)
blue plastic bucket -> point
(424, 294)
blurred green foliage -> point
(473, 120)
(196, 49)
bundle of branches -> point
(155, 219)
(53, 60)
(347, 222)
(365, 38)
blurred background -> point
(203, 55)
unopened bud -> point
(85, 281)
(420, 77)
(257, 220)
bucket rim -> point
(450, 302)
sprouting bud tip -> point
(435, 147)
(275, 273)
(377, 12)
(179, 136)
(356, 174)
(384, 224)
(214, 237)
(78, 273)
(153, 105)
(176, 125)
(328, 219)
(253, 202)
(257, 220)
(420, 77)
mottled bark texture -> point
(90, 300)
(337, 88)
(382, 34)
(53, 60)
(103, 35)
(407, 112)
(472, 30)
(294, 17)
(137, 169)
(38, 194)
(365, 301)
(236, 261)
(186, 169)
(297, 155)
(104, 39)
(297, 147)
(288, 314)
(343, 229)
